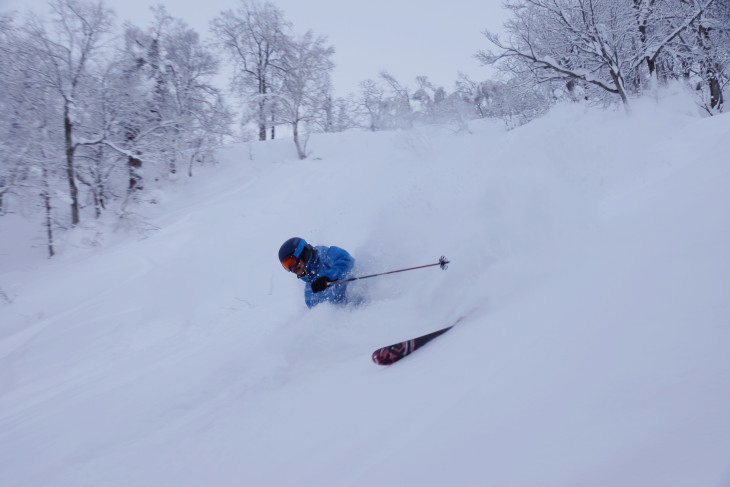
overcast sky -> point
(407, 38)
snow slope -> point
(589, 251)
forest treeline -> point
(93, 112)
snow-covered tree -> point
(663, 28)
(80, 113)
(587, 41)
(712, 28)
(399, 101)
(9, 106)
(606, 47)
(305, 89)
(255, 36)
(431, 100)
(344, 114)
(61, 54)
(166, 110)
(372, 105)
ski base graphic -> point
(393, 353)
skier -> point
(318, 267)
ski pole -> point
(443, 263)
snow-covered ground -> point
(589, 253)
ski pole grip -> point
(443, 263)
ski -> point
(393, 353)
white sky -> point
(407, 38)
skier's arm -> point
(341, 263)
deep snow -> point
(589, 249)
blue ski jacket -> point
(333, 263)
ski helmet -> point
(293, 251)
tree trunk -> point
(711, 69)
(49, 213)
(650, 63)
(70, 172)
(618, 81)
(98, 203)
(135, 177)
(262, 109)
(300, 150)
(262, 126)
(716, 99)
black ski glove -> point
(320, 284)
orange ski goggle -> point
(290, 263)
